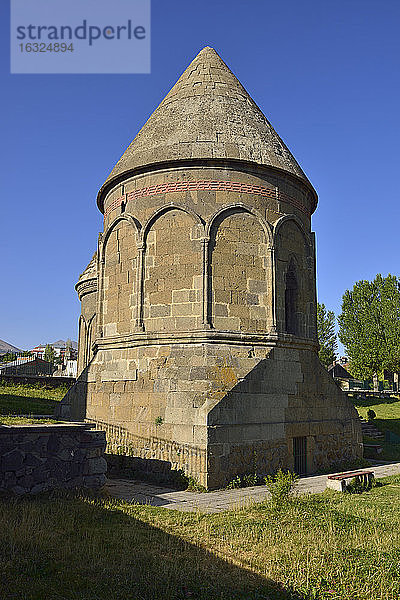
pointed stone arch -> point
(82, 333)
(91, 328)
(239, 270)
(119, 275)
(239, 206)
(172, 206)
(287, 218)
(172, 270)
(295, 282)
(136, 225)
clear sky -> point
(326, 74)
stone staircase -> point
(369, 429)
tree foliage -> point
(369, 326)
(326, 335)
(49, 353)
(12, 356)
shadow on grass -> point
(79, 549)
(14, 404)
(387, 424)
(370, 401)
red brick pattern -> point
(114, 204)
(222, 186)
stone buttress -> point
(198, 344)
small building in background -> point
(342, 376)
(61, 350)
(27, 365)
(69, 368)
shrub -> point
(281, 486)
(235, 484)
(241, 481)
(193, 485)
(246, 480)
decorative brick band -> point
(219, 186)
(114, 204)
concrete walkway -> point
(144, 493)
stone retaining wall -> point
(37, 458)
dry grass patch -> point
(336, 546)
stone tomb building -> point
(198, 343)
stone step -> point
(370, 430)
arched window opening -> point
(291, 300)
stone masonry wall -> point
(38, 458)
(119, 282)
(173, 268)
(193, 355)
(157, 456)
(286, 394)
(215, 409)
(240, 282)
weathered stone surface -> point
(53, 458)
(197, 339)
(217, 119)
(12, 461)
(96, 466)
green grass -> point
(34, 399)
(387, 412)
(5, 420)
(387, 419)
(336, 546)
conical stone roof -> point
(91, 270)
(207, 115)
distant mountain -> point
(6, 347)
(62, 344)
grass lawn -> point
(387, 412)
(6, 420)
(387, 418)
(327, 546)
(34, 399)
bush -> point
(281, 486)
(241, 481)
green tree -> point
(326, 335)
(49, 353)
(369, 326)
(8, 357)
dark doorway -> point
(300, 455)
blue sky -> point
(326, 74)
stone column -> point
(273, 288)
(139, 326)
(206, 283)
(100, 291)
